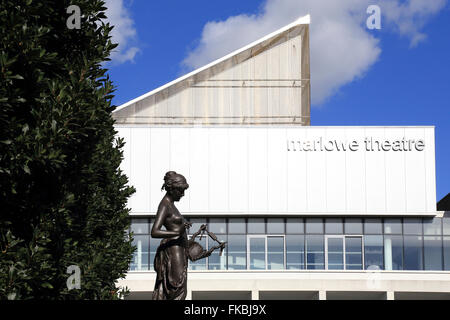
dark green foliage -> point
(62, 195)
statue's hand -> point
(203, 227)
(187, 224)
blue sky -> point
(399, 76)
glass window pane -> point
(196, 223)
(446, 224)
(432, 253)
(446, 253)
(314, 225)
(256, 225)
(295, 252)
(372, 226)
(353, 226)
(295, 225)
(413, 249)
(334, 226)
(215, 260)
(393, 226)
(275, 226)
(236, 225)
(217, 225)
(201, 263)
(275, 253)
(353, 253)
(154, 244)
(432, 226)
(335, 253)
(257, 253)
(412, 226)
(140, 226)
(315, 258)
(373, 252)
(141, 255)
(237, 252)
(393, 253)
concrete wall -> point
(305, 285)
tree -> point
(62, 194)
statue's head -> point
(175, 184)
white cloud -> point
(123, 32)
(342, 48)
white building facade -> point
(307, 212)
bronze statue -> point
(171, 260)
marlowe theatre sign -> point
(369, 144)
(279, 170)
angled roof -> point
(182, 101)
(299, 21)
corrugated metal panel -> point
(265, 84)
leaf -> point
(47, 285)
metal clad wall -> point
(248, 170)
(262, 85)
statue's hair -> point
(173, 180)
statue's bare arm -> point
(157, 232)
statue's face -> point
(177, 193)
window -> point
(256, 225)
(353, 226)
(275, 226)
(217, 225)
(196, 224)
(141, 255)
(432, 226)
(393, 226)
(412, 226)
(446, 253)
(334, 226)
(315, 252)
(295, 226)
(215, 260)
(154, 244)
(140, 226)
(335, 252)
(393, 252)
(373, 252)
(295, 252)
(257, 253)
(353, 253)
(275, 252)
(413, 253)
(142, 259)
(237, 252)
(236, 226)
(329, 243)
(314, 225)
(432, 252)
(446, 225)
(372, 226)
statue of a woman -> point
(171, 260)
